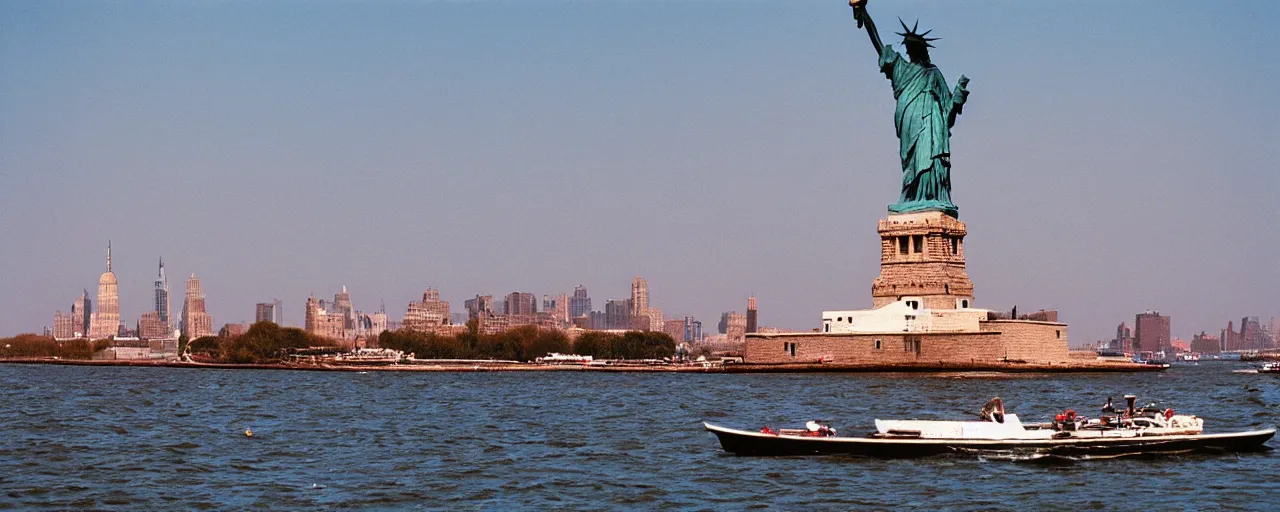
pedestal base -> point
(922, 255)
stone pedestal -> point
(922, 255)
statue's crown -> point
(910, 36)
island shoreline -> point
(1010, 368)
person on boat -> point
(993, 410)
(1108, 407)
(819, 429)
(1067, 420)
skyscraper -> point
(372, 324)
(557, 308)
(561, 311)
(639, 296)
(63, 326)
(735, 326)
(692, 329)
(269, 312)
(1252, 335)
(617, 314)
(81, 314)
(580, 303)
(1151, 332)
(597, 320)
(481, 305)
(162, 294)
(1123, 341)
(342, 307)
(675, 329)
(1275, 332)
(429, 315)
(106, 322)
(323, 323)
(655, 319)
(751, 315)
(1230, 339)
(196, 322)
(521, 304)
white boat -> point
(1132, 431)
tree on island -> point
(264, 342)
(629, 345)
(520, 344)
(425, 345)
(36, 345)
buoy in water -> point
(248, 432)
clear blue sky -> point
(1113, 156)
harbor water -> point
(173, 438)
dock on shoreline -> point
(1071, 367)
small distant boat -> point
(1152, 358)
(1145, 431)
(558, 358)
(1269, 368)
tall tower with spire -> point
(342, 306)
(162, 295)
(106, 322)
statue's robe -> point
(926, 112)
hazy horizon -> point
(1112, 157)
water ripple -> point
(566, 440)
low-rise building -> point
(493, 324)
(675, 329)
(1206, 344)
(150, 326)
(232, 330)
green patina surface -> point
(926, 111)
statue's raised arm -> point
(860, 14)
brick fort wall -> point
(998, 341)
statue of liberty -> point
(926, 112)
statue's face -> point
(919, 53)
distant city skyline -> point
(514, 303)
(718, 149)
(526, 303)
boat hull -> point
(744, 442)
